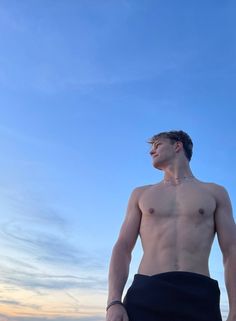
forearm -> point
(118, 272)
(230, 281)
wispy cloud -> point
(20, 304)
(33, 227)
(25, 318)
(4, 318)
(10, 302)
(36, 281)
(45, 243)
(40, 259)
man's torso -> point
(177, 227)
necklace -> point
(178, 180)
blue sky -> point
(83, 85)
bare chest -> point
(190, 202)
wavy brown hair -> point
(174, 136)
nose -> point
(152, 151)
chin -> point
(157, 166)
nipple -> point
(201, 211)
(151, 210)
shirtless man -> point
(177, 220)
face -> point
(162, 152)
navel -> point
(201, 211)
(151, 210)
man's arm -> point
(226, 233)
(121, 254)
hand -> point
(117, 313)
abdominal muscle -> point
(171, 261)
(175, 245)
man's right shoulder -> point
(139, 190)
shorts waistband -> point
(176, 274)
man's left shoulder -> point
(219, 191)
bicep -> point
(130, 228)
(225, 224)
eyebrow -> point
(156, 142)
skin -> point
(177, 220)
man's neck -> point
(177, 174)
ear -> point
(178, 146)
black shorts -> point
(173, 296)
